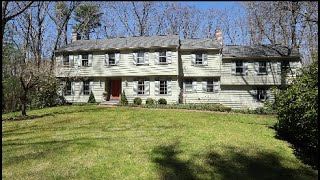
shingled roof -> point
(122, 43)
(258, 51)
(199, 44)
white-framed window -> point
(140, 57)
(112, 59)
(188, 85)
(67, 88)
(141, 87)
(86, 87)
(239, 67)
(261, 94)
(85, 60)
(262, 67)
(199, 59)
(66, 61)
(212, 85)
(163, 88)
(162, 57)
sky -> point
(210, 4)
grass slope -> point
(90, 142)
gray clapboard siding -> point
(272, 78)
(211, 69)
(171, 99)
(97, 89)
(124, 68)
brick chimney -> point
(219, 37)
(75, 36)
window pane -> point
(141, 87)
(112, 58)
(140, 54)
(66, 60)
(239, 67)
(86, 87)
(163, 60)
(163, 87)
(85, 56)
(162, 53)
(198, 58)
(85, 63)
(188, 85)
(67, 90)
(284, 65)
(262, 67)
(261, 94)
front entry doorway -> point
(115, 89)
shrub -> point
(150, 101)
(297, 112)
(162, 101)
(123, 100)
(91, 98)
(137, 101)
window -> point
(112, 59)
(86, 87)
(85, 60)
(163, 87)
(188, 85)
(261, 94)
(141, 87)
(67, 88)
(284, 66)
(162, 57)
(66, 60)
(140, 57)
(199, 59)
(239, 67)
(212, 85)
(263, 67)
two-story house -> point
(181, 71)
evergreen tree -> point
(87, 18)
(91, 98)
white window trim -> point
(83, 84)
(215, 83)
(191, 85)
(266, 71)
(243, 68)
(163, 51)
(65, 90)
(264, 90)
(110, 58)
(84, 60)
(166, 87)
(195, 62)
(139, 63)
(63, 58)
(144, 87)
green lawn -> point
(90, 142)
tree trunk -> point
(24, 104)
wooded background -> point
(32, 30)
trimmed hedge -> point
(150, 101)
(137, 101)
(205, 107)
(162, 101)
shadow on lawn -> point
(29, 117)
(170, 166)
(233, 164)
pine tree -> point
(91, 98)
(123, 100)
(87, 18)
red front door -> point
(115, 89)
